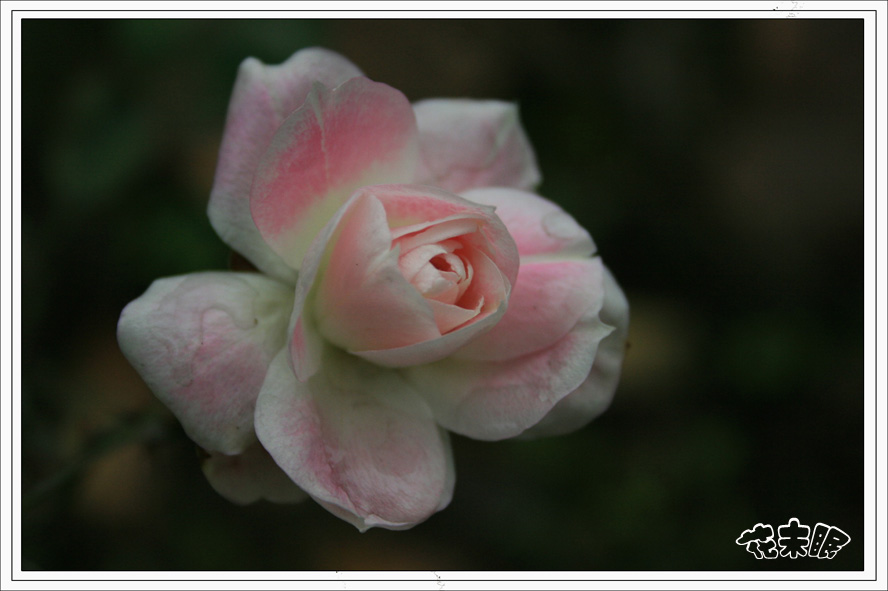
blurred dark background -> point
(718, 165)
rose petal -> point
(203, 343)
(249, 477)
(357, 440)
(493, 400)
(469, 143)
(540, 228)
(442, 280)
(449, 316)
(357, 134)
(442, 231)
(547, 301)
(363, 301)
(306, 342)
(595, 394)
(263, 97)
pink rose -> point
(410, 285)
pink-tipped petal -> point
(547, 301)
(249, 477)
(360, 133)
(358, 440)
(263, 97)
(203, 343)
(492, 400)
(595, 394)
(539, 227)
(363, 301)
(469, 143)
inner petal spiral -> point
(441, 272)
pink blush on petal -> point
(358, 134)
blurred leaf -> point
(100, 148)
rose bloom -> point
(409, 284)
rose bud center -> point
(437, 262)
(437, 271)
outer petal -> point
(547, 301)
(469, 143)
(358, 440)
(493, 400)
(203, 343)
(595, 394)
(251, 476)
(263, 97)
(557, 281)
(541, 229)
(360, 133)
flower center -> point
(441, 263)
(438, 262)
(437, 271)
